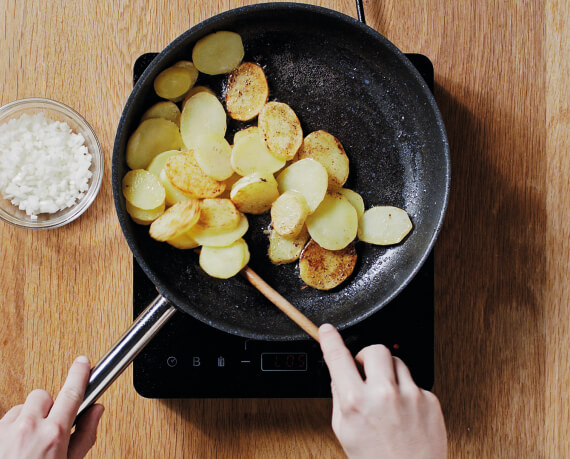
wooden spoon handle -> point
(275, 297)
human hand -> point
(385, 414)
(41, 428)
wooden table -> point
(502, 295)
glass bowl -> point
(54, 111)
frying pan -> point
(338, 75)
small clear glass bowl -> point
(54, 111)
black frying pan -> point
(338, 75)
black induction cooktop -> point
(189, 359)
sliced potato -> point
(159, 161)
(254, 194)
(143, 189)
(384, 225)
(191, 68)
(229, 184)
(176, 220)
(152, 136)
(196, 90)
(326, 269)
(327, 150)
(143, 216)
(202, 115)
(173, 194)
(219, 238)
(244, 132)
(333, 225)
(281, 129)
(218, 214)
(355, 199)
(250, 155)
(173, 83)
(307, 177)
(184, 173)
(166, 109)
(183, 241)
(213, 155)
(224, 262)
(286, 250)
(247, 92)
(288, 213)
(218, 53)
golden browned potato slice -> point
(143, 216)
(212, 237)
(184, 173)
(224, 262)
(159, 161)
(286, 250)
(334, 224)
(166, 109)
(213, 154)
(250, 155)
(173, 194)
(327, 150)
(143, 189)
(308, 177)
(254, 194)
(288, 213)
(280, 129)
(196, 90)
(326, 269)
(247, 92)
(355, 199)
(202, 115)
(384, 225)
(173, 83)
(218, 53)
(218, 214)
(176, 220)
(153, 136)
(183, 241)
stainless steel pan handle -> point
(126, 349)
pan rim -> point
(197, 31)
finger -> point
(377, 363)
(336, 412)
(12, 413)
(342, 367)
(405, 380)
(85, 433)
(37, 404)
(71, 395)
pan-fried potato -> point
(286, 250)
(327, 150)
(191, 68)
(184, 173)
(355, 199)
(143, 216)
(326, 269)
(281, 129)
(384, 225)
(183, 241)
(195, 90)
(143, 189)
(220, 214)
(213, 156)
(247, 92)
(229, 184)
(335, 223)
(254, 194)
(176, 220)
(218, 53)
(288, 213)
(166, 109)
(212, 237)
(224, 262)
(173, 83)
(202, 115)
(173, 194)
(159, 161)
(250, 155)
(152, 136)
(307, 177)
(245, 132)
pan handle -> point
(126, 349)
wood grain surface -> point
(502, 260)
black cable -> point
(360, 11)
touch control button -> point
(172, 361)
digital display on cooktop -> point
(284, 361)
